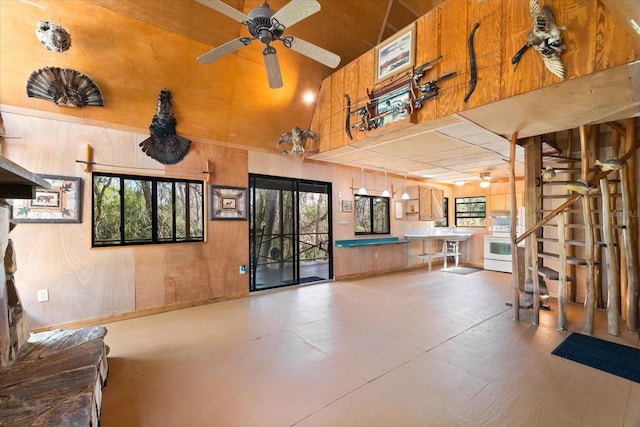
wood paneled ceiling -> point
(257, 115)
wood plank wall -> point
(85, 283)
(503, 30)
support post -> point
(515, 277)
(590, 298)
(630, 233)
(562, 273)
(613, 278)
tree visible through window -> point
(136, 210)
(471, 211)
(371, 215)
(444, 222)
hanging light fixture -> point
(485, 179)
(362, 191)
(385, 193)
(405, 196)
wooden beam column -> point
(590, 298)
(515, 284)
(562, 274)
(630, 232)
(613, 277)
(532, 201)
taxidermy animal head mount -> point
(64, 86)
(298, 139)
(164, 145)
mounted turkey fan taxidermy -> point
(164, 145)
(268, 26)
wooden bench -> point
(56, 379)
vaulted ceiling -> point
(348, 28)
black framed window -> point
(371, 215)
(471, 211)
(133, 210)
(444, 222)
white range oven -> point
(497, 253)
(497, 247)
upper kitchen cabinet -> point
(431, 204)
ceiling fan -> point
(268, 26)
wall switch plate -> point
(43, 295)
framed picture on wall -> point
(396, 54)
(347, 205)
(398, 213)
(227, 203)
(59, 204)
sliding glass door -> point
(290, 231)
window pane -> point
(165, 210)
(471, 211)
(106, 210)
(181, 211)
(362, 214)
(381, 215)
(137, 211)
(444, 222)
(196, 220)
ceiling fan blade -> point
(314, 52)
(273, 67)
(222, 50)
(296, 11)
(225, 9)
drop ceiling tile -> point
(467, 150)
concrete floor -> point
(406, 349)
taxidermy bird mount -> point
(53, 37)
(298, 138)
(268, 26)
(164, 145)
(545, 38)
(64, 86)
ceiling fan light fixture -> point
(485, 179)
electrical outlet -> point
(375, 254)
(43, 295)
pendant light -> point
(385, 193)
(362, 191)
(405, 196)
(485, 179)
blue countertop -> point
(350, 243)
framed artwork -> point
(227, 203)
(393, 107)
(396, 54)
(59, 204)
(398, 214)
(347, 205)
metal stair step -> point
(619, 226)
(570, 260)
(551, 274)
(571, 242)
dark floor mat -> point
(616, 359)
